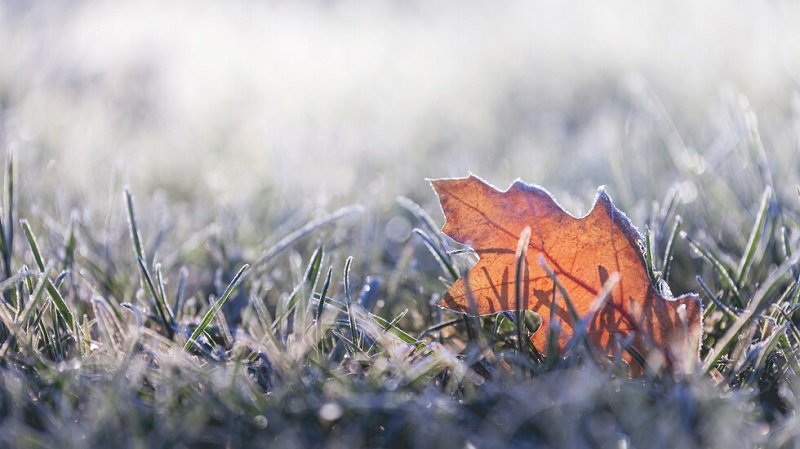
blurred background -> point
(322, 99)
(276, 107)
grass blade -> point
(757, 303)
(299, 299)
(178, 303)
(36, 296)
(323, 294)
(349, 298)
(522, 252)
(312, 272)
(51, 289)
(215, 308)
(648, 256)
(444, 261)
(133, 227)
(726, 310)
(676, 229)
(70, 241)
(8, 231)
(157, 301)
(719, 267)
(60, 303)
(755, 237)
(32, 242)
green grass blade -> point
(444, 261)
(263, 316)
(719, 267)
(787, 246)
(215, 308)
(768, 347)
(755, 237)
(787, 253)
(158, 303)
(726, 310)
(162, 310)
(755, 306)
(438, 327)
(389, 326)
(61, 305)
(32, 242)
(342, 309)
(28, 282)
(179, 292)
(552, 351)
(133, 227)
(70, 241)
(394, 322)
(36, 296)
(162, 293)
(312, 272)
(676, 229)
(648, 256)
(311, 278)
(297, 298)
(11, 282)
(323, 294)
(7, 317)
(3, 249)
(349, 301)
(789, 353)
(8, 235)
(796, 295)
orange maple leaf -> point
(584, 255)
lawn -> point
(217, 227)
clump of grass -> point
(112, 337)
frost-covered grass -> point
(267, 277)
(147, 335)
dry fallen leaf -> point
(584, 255)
